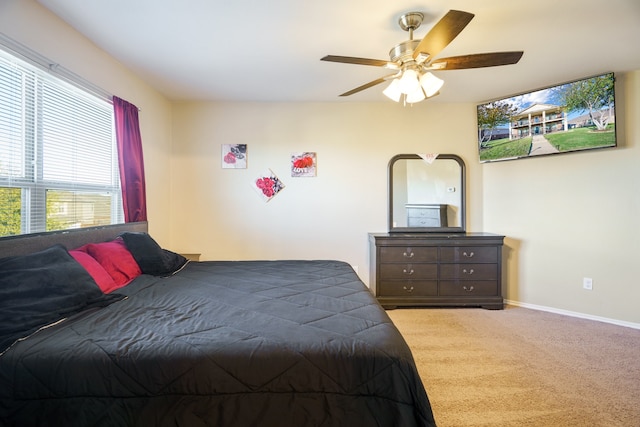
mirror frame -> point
(463, 202)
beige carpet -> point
(522, 367)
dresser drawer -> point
(408, 254)
(408, 288)
(423, 222)
(468, 288)
(409, 271)
(465, 271)
(426, 215)
(472, 254)
(425, 211)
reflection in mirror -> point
(426, 196)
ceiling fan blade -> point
(477, 60)
(354, 60)
(368, 85)
(443, 33)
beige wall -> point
(218, 214)
(565, 217)
(28, 23)
(572, 216)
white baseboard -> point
(573, 314)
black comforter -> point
(251, 343)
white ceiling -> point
(270, 50)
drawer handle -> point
(469, 289)
(408, 289)
(410, 272)
(407, 255)
(468, 255)
(469, 272)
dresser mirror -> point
(426, 195)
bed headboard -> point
(28, 243)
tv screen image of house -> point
(574, 116)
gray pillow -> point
(151, 258)
(42, 288)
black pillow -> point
(151, 258)
(42, 288)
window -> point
(58, 156)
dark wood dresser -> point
(436, 269)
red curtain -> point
(134, 196)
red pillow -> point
(99, 274)
(116, 259)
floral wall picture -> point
(267, 185)
(234, 156)
(303, 164)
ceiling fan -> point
(413, 60)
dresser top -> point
(435, 235)
(437, 238)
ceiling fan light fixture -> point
(430, 83)
(409, 82)
(393, 90)
(415, 96)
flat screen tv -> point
(575, 116)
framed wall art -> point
(234, 156)
(267, 185)
(303, 164)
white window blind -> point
(58, 159)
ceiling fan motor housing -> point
(403, 52)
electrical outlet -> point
(587, 283)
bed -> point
(215, 343)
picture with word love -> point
(303, 164)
